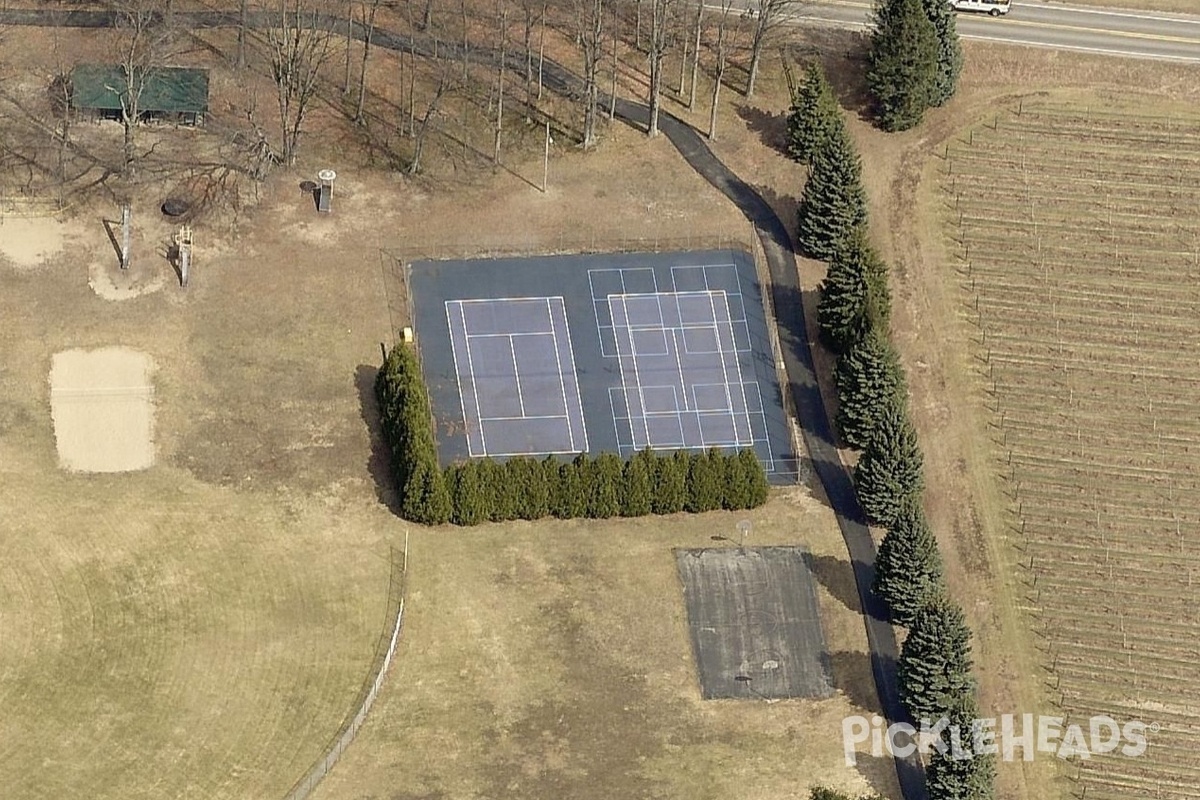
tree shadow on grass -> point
(379, 463)
(770, 126)
(838, 579)
(843, 54)
(853, 678)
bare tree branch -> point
(299, 48)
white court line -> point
(508, 335)
(724, 371)
(562, 381)
(562, 307)
(636, 376)
(534, 416)
(458, 374)
(512, 348)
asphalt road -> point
(1170, 37)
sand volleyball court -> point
(103, 409)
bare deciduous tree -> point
(143, 39)
(502, 24)
(589, 31)
(661, 13)
(299, 48)
(723, 46)
(369, 8)
(243, 14)
(768, 16)
(533, 12)
(444, 78)
(697, 31)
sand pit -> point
(103, 410)
(28, 242)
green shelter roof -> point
(166, 89)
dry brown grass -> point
(553, 660)
(538, 660)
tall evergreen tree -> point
(902, 66)
(604, 486)
(569, 499)
(427, 499)
(833, 202)
(855, 293)
(869, 378)
(969, 778)
(670, 483)
(813, 114)
(842, 307)
(758, 488)
(934, 670)
(638, 484)
(950, 57)
(908, 567)
(468, 494)
(890, 471)
(705, 480)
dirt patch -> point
(102, 405)
(28, 242)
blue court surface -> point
(595, 353)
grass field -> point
(553, 660)
(1078, 233)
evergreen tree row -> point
(407, 423)
(482, 490)
(935, 669)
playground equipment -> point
(183, 250)
(325, 190)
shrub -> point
(638, 484)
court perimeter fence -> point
(305, 786)
(397, 267)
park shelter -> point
(170, 94)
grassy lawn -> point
(553, 660)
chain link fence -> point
(305, 786)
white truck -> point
(993, 7)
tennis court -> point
(596, 353)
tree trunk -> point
(696, 54)
(528, 39)
(129, 150)
(612, 96)
(683, 62)
(349, 26)
(241, 34)
(503, 22)
(541, 52)
(362, 72)
(593, 42)
(756, 46)
(716, 96)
